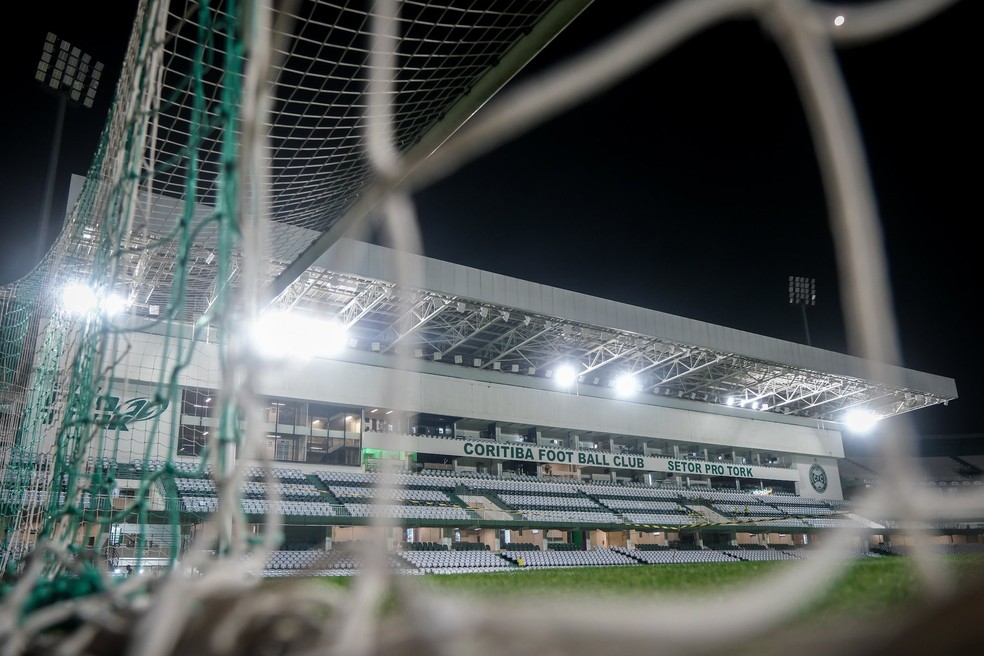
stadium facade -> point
(447, 384)
(462, 403)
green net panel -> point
(202, 199)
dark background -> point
(691, 188)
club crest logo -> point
(818, 478)
(113, 414)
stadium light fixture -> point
(73, 77)
(565, 375)
(803, 292)
(860, 421)
(69, 72)
(626, 385)
(79, 299)
(287, 335)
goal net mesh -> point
(246, 138)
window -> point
(286, 448)
(198, 405)
(284, 412)
(191, 440)
(196, 402)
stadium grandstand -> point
(722, 440)
(209, 381)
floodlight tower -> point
(73, 77)
(803, 292)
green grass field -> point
(868, 588)
(875, 607)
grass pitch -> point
(868, 587)
(875, 607)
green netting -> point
(234, 144)
(88, 447)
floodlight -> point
(860, 421)
(626, 385)
(67, 70)
(565, 375)
(78, 298)
(280, 335)
(73, 76)
(803, 292)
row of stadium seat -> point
(542, 501)
(551, 558)
(457, 559)
(352, 491)
(348, 560)
(197, 504)
(407, 512)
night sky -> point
(691, 188)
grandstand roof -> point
(455, 314)
(321, 183)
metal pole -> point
(806, 326)
(803, 292)
(52, 174)
(73, 77)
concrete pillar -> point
(490, 537)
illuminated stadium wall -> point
(331, 399)
(363, 381)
